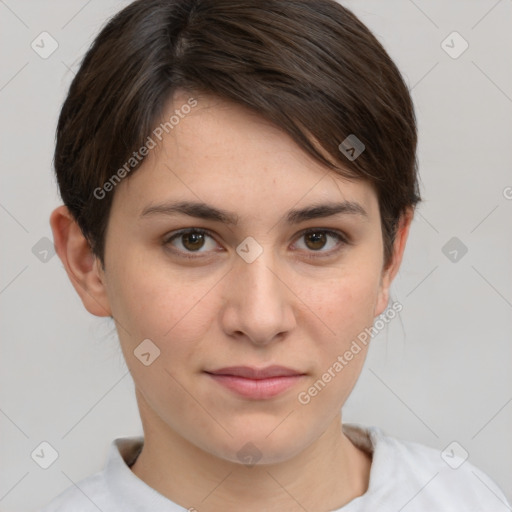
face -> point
(277, 281)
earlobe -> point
(391, 270)
(82, 266)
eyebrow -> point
(296, 216)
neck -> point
(325, 476)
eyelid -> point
(330, 231)
(184, 231)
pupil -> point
(193, 241)
(317, 239)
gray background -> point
(440, 373)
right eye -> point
(190, 241)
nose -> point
(259, 303)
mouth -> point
(254, 383)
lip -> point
(256, 383)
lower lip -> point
(257, 389)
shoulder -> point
(88, 495)
(107, 489)
(419, 478)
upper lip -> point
(248, 372)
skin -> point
(299, 304)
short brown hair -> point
(309, 66)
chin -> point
(255, 446)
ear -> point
(82, 266)
(391, 269)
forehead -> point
(225, 155)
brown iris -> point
(316, 240)
(193, 241)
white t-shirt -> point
(404, 476)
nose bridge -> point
(254, 263)
(258, 300)
(260, 278)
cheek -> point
(339, 342)
(172, 310)
(345, 304)
(151, 301)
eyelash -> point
(341, 238)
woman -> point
(239, 179)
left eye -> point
(318, 239)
